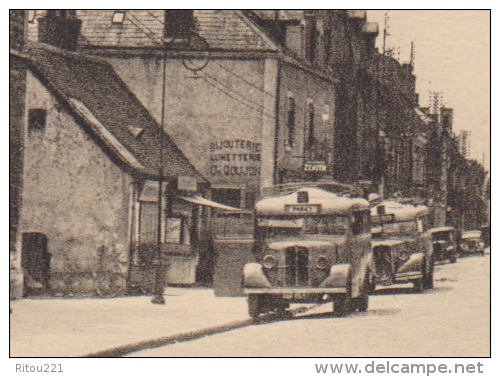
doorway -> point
(35, 262)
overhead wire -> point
(227, 91)
(237, 93)
(260, 111)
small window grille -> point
(37, 119)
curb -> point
(121, 351)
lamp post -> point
(382, 162)
(159, 287)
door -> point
(35, 262)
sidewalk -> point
(77, 327)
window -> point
(178, 23)
(309, 131)
(290, 123)
(148, 223)
(177, 231)
(118, 17)
(360, 223)
(229, 197)
(311, 40)
(37, 118)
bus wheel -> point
(418, 286)
(342, 306)
(429, 278)
(281, 306)
(360, 303)
(254, 306)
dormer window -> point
(178, 23)
(118, 17)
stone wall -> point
(73, 192)
(215, 117)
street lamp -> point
(197, 45)
(159, 268)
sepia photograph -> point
(221, 183)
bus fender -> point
(253, 276)
(338, 277)
(414, 263)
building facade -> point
(93, 162)
(260, 112)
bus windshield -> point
(303, 226)
(403, 228)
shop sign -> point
(186, 183)
(315, 166)
(235, 158)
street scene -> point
(250, 183)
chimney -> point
(370, 32)
(356, 18)
(60, 28)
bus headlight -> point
(404, 255)
(269, 262)
(322, 262)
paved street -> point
(77, 327)
(451, 320)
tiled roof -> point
(222, 29)
(280, 15)
(92, 89)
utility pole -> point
(412, 55)
(386, 32)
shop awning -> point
(209, 203)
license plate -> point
(296, 296)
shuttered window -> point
(148, 222)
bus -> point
(311, 246)
(402, 245)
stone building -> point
(17, 92)
(93, 158)
(260, 112)
(17, 97)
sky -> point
(452, 55)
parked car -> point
(472, 243)
(402, 246)
(312, 246)
(444, 244)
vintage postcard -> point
(250, 183)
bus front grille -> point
(296, 267)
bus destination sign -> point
(303, 209)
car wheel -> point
(453, 258)
(254, 306)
